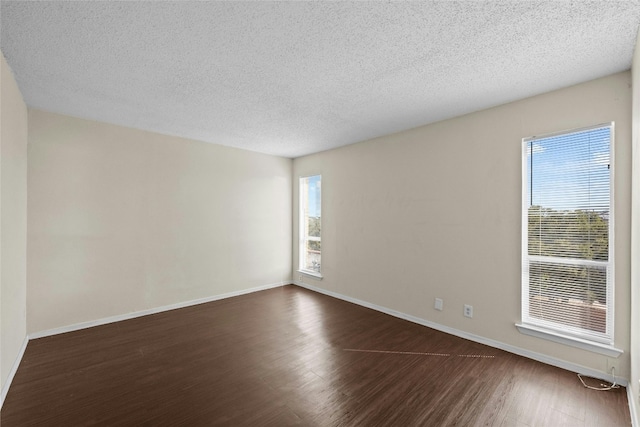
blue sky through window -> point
(315, 190)
(570, 171)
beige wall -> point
(635, 242)
(436, 212)
(13, 221)
(122, 220)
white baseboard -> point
(12, 372)
(121, 317)
(633, 409)
(472, 337)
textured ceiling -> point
(296, 78)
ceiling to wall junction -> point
(294, 78)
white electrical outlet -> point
(468, 310)
(438, 304)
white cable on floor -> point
(603, 387)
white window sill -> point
(311, 273)
(546, 334)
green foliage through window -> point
(566, 285)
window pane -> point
(310, 223)
(313, 225)
(572, 234)
(571, 171)
(566, 221)
(570, 295)
(313, 256)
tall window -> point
(567, 277)
(311, 224)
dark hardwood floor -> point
(289, 356)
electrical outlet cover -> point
(468, 310)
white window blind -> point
(567, 284)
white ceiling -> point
(296, 78)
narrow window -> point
(567, 268)
(311, 224)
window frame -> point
(540, 328)
(303, 237)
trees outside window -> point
(567, 223)
(311, 224)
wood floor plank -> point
(290, 357)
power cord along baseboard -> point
(603, 387)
